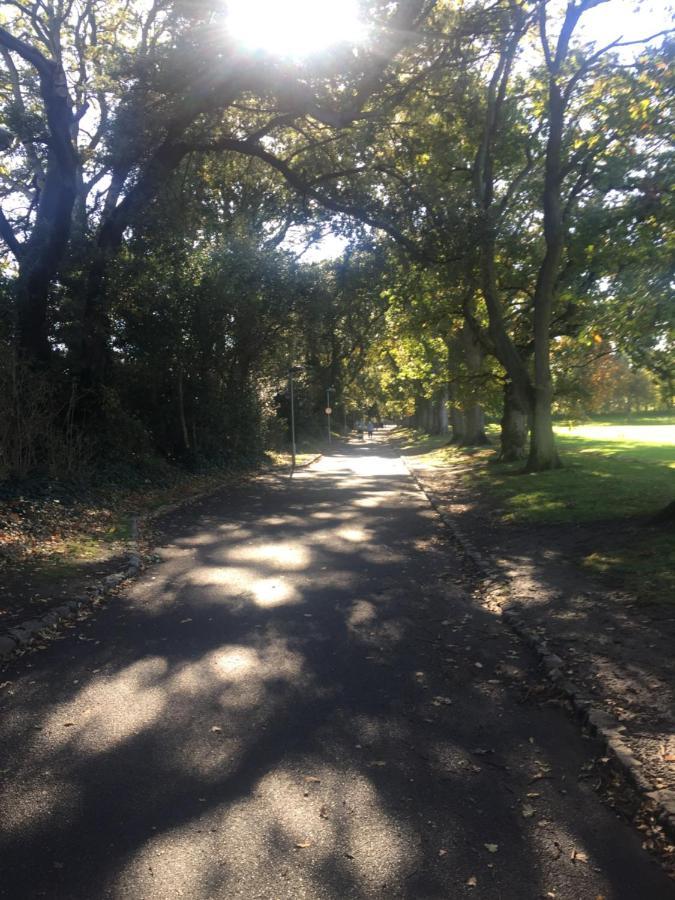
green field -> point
(610, 471)
(613, 470)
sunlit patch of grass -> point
(436, 449)
(590, 487)
(646, 442)
(605, 476)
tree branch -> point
(7, 234)
(306, 189)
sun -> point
(294, 28)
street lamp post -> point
(329, 410)
(292, 371)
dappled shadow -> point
(619, 651)
(301, 699)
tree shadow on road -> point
(301, 699)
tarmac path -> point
(302, 699)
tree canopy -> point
(502, 183)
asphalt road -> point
(302, 699)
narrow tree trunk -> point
(514, 426)
(474, 418)
(181, 410)
(443, 410)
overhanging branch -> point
(7, 234)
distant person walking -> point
(371, 429)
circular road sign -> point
(328, 410)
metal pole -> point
(290, 378)
(328, 390)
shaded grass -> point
(610, 471)
(645, 567)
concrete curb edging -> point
(33, 630)
(25, 634)
(601, 724)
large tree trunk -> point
(428, 416)
(543, 453)
(41, 256)
(514, 426)
(458, 425)
(474, 426)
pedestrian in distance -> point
(371, 428)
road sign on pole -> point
(328, 410)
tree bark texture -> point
(514, 426)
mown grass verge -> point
(613, 470)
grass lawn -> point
(612, 470)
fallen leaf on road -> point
(312, 779)
(578, 856)
(478, 665)
(527, 811)
(302, 845)
(491, 848)
(438, 700)
(183, 621)
(443, 852)
(68, 724)
(472, 881)
(216, 729)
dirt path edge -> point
(498, 598)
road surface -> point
(302, 699)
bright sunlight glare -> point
(294, 28)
